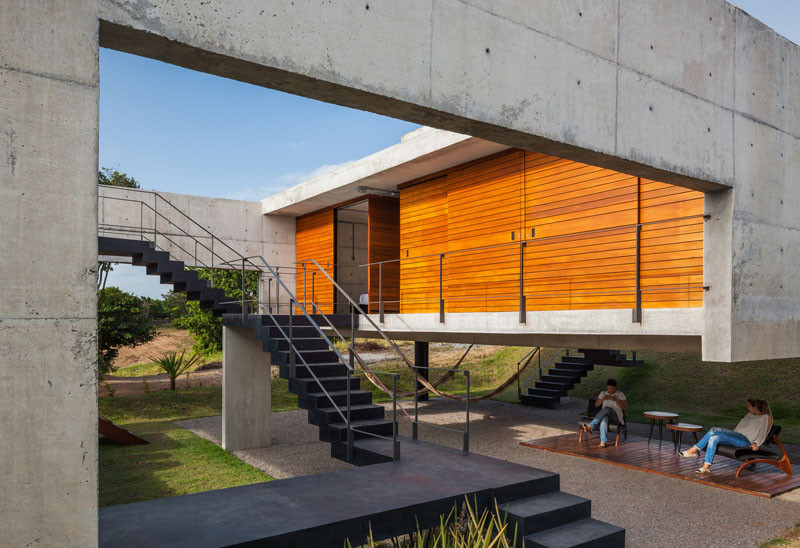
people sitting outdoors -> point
(751, 431)
(613, 404)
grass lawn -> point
(176, 462)
(790, 539)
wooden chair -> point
(776, 457)
(614, 426)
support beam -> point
(246, 418)
(421, 360)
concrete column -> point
(246, 399)
(421, 360)
(48, 268)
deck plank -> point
(637, 454)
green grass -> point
(707, 393)
(176, 462)
(151, 368)
(790, 539)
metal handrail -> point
(538, 373)
(355, 306)
(415, 423)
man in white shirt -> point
(613, 403)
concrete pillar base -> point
(246, 398)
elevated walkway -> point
(390, 499)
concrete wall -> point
(48, 268)
(694, 93)
(238, 223)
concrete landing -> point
(325, 509)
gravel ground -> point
(655, 510)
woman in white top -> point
(751, 431)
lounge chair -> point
(748, 457)
(614, 427)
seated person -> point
(613, 403)
(751, 431)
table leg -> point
(695, 437)
(660, 429)
(649, 436)
(680, 440)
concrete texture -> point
(656, 511)
(668, 329)
(246, 396)
(48, 222)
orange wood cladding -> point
(383, 226)
(504, 197)
(315, 240)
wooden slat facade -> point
(315, 240)
(383, 227)
(548, 202)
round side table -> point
(659, 416)
(679, 428)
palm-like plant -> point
(174, 364)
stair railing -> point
(537, 375)
(355, 307)
(293, 351)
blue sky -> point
(182, 131)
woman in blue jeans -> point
(751, 431)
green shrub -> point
(122, 320)
(173, 364)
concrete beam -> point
(246, 396)
(560, 95)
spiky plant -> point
(173, 364)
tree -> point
(122, 320)
(114, 177)
(204, 327)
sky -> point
(177, 130)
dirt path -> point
(124, 386)
(169, 339)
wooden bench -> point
(776, 457)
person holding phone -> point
(612, 403)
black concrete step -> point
(580, 360)
(535, 514)
(361, 456)
(301, 331)
(325, 416)
(320, 370)
(558, 378)
(539, 401)
(307, 386)
(580, 367)
(557, 386)
(546, 392)
(338, 432)
(339, 320)
(585, 533)
(339, 397)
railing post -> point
(415, 424)
(195, 253)
(269, 294)
(466, 431)
(380, 291)
(212, 261)
(244, 303)
(313, 298)
(292, 358)
(349, 422)
(305, 287)
(519, 386)
(522, 305)
(277, 291)
(395, 443)
(441, 294)
(637, 312)
(352, 336)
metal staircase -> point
(326, 384)
(568, 371)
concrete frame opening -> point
(351, 251)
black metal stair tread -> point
(343, 408)
(360, 423)
(546, 391)
(334, 393)
(583, 533)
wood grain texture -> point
(383, 226)
(636, 453)
(315, 240)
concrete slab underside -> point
(324, 509)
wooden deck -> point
(764, 481)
